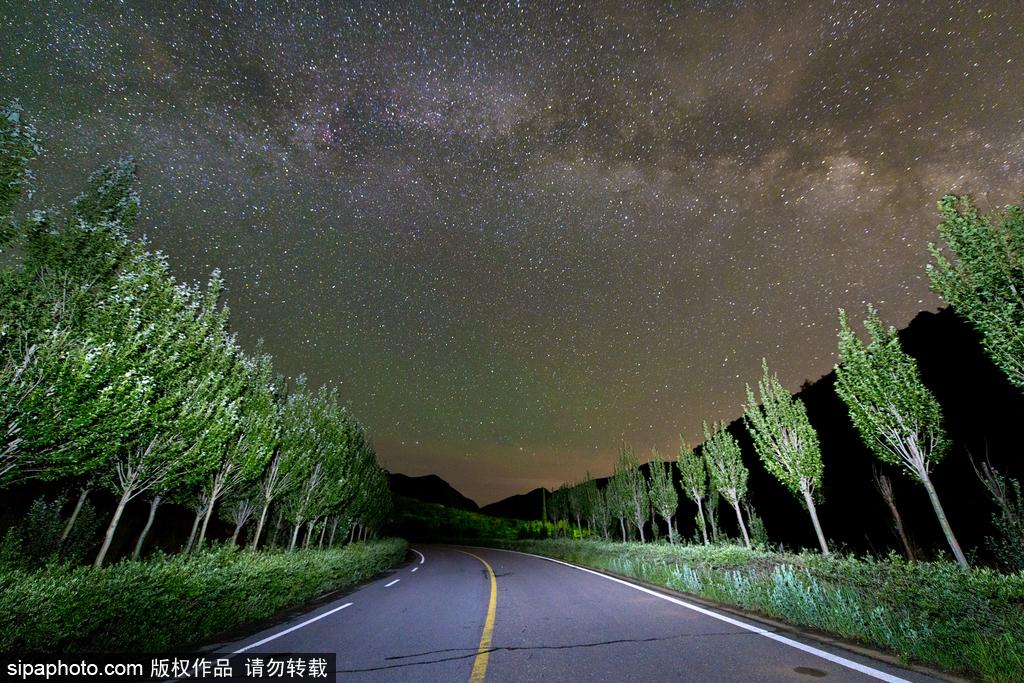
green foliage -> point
(783, 435)
(112, 371)
(896, 415)
(786, 441)
(19, 145)
(693, 476)
(980, 272)
(162, 602)
(725, 464)
(966, 620)
(728, 474)
(664, 496)
(633, 488)
(37, 540)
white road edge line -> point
(418, 553)
(841, 661)
(389, 585)
(293, 628)
(414, 568)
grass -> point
(166, 601)
(936, 613)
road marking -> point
(418, 553)
(415, 568)
(389, 585)
(841, 661)
(480, 663)
(293, 628)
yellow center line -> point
(480, 663)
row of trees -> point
(114, 375)
(980, 273)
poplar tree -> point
(728, 475)
(896, 415)
(617, 493)
(594, 505)
(694, 478)
(979, 270)
(786, 441)
(634, 488)
(664, 497)
(577, 504)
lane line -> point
(389, 585)
(418, 553)
(415, 568)
(293, 628)
(836, 659)
(483, 652)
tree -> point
(984, 277)
(577, 499)
(694, 478)
(896, 415)
(19, 145)
(664, 497)
(597, 513)
(616, 494)
(786, 441)
(634, 488)
(728, 475)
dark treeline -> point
(121, 384)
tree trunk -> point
(295, 534)
(323, 532)
(192, 536)
(712, 512)
(234, 534)
(154, 504)
(960, 557)
(352, 534)
(739, 517)
(671, 537)
(622, 523)
(334, 527)
(78, 508)
(109, 536)
(814, 517)
(273, 541)
(309, 532)
(259, 526)
(703, 527)
(206, 520)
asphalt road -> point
(475, 614)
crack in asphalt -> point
(511, 648)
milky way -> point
(518, 235)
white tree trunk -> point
(157, 499)
(959, 554)
(739, 518)
(700, 511)
(814, 517)
(109, 536)
(78, 508)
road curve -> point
(476, 614)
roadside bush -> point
(37, 541)
(168, 601)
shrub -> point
(166, 601)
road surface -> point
(475, 614)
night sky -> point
(517, 235)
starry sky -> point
(518, 234)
